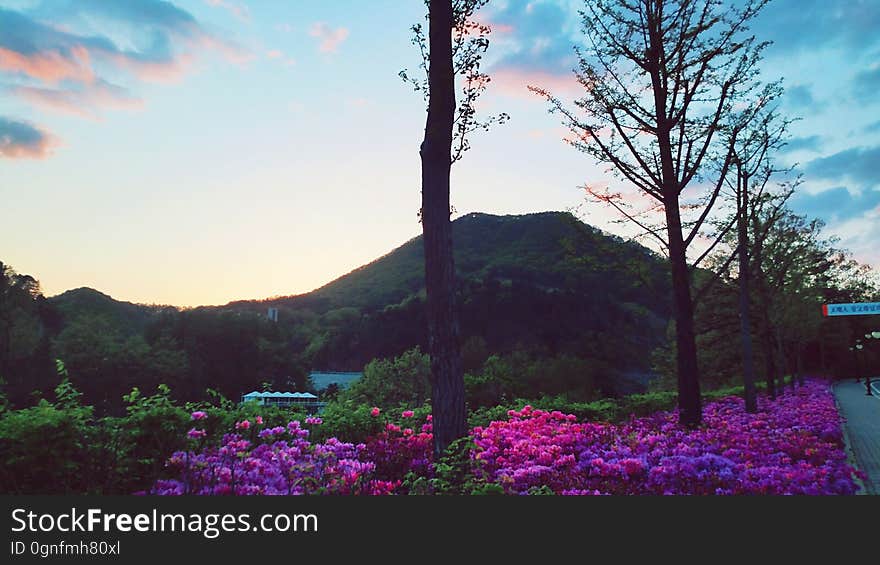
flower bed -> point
(793, 445)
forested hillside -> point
(532, 287)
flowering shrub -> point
(793, 445)
(398, 451)
(281, 461)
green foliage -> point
(4, 401)
(602, 410)
(349, 421)
(647, 403)
(46, 448)
(25, 320)
(457, 473)
(542, 490)
(136, 446)
(59, 447)
(404, 380)
(474, 353)
(520, 375)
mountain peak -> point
(82, 292)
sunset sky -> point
(201, 151)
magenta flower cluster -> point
(281, 462)
(398, 451)
(793, 445)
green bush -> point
(136, 446)
(348, 421)
(46, 448)
(388, 383)
(520, 375)
(457, 473)
(647, 403)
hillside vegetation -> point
(532, 289)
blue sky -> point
(200, 151)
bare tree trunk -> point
(690, 410)
(784, 368)
(766, 325)
(769, 363)
(799, 363)
(689, 404)
(744, 299)
(447, 397)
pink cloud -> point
(67, 69)
(240, 11)
(278, 55)
(231, 51)
(329, 38)
(83, 101)
(515, 82)
(74, 62)
(153, 71)
(50, 66)
(497, 28)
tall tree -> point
(662, 77)
(24, 342)
(750, 176)
(454, 47)
(798, 266)
(447, 397)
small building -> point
(305, 400)
(323, 379)
(273, 314)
